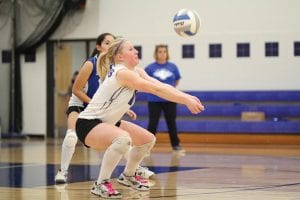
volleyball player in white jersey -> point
(100, 126)
(85, 86)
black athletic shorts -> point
(77, 109)
(84, 126)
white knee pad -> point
(145, 148)
(121, 144)
(70, 139)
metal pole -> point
(13, 67)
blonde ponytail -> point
(103, 66)
(108, 58)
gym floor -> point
(205, 171)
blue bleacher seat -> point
(224, 108)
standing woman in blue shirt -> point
(168, 73)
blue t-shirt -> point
(93, 81)
(167, 73)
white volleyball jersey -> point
(75, 101)
(111, 101)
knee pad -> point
(145, 148)
(121, 144)
(70, 139)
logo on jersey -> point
(162, 74)
(111, 71)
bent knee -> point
(150, 137)
(144, 148)
(121, 144)
(70, 139)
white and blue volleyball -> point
(186, 22)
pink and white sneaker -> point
(105, 190)
(136, 182)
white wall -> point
(227, 22)
(34, 93)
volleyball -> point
(186, 22)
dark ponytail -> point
(95, 52)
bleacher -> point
(223, 110)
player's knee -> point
(145, 148)
(71, 139)
(121, 144)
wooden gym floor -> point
(236, 169)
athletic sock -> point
(112, 156)
(68, 149)
(136, 155)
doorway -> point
(63, 59)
